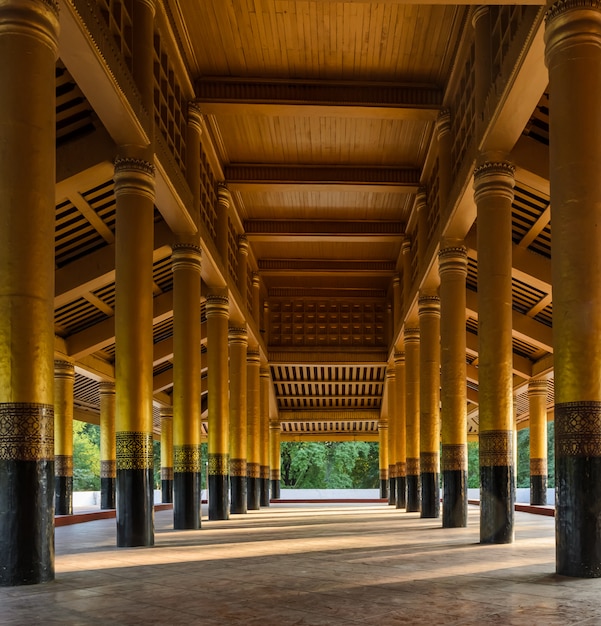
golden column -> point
(238, 340)
(401, 429)
(429, 401)
(187, 469)
(108, 445)
(218, 406)
(537, 404)
(412, 418)
(28, 46)
(253, 467)
(392, 433)
(383, 450)
(573, 56)
(167, 455)
(242, 278)
(493, 185)
(452, 268)
(397, 307)
(264, 435)
(275, 433)
(256, 282)
(64, 378)
(224, 200)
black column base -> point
(253, 487)
(186, 500)
(166, 491)
(63, 490)
(275, 489)
(107, 493)
(401, 492)
(26, 522)
(413, 493)
(497, 502)
(384, 488)
(577, 515)
(264, 491)
(454, 499)
(239, 495)
(392, 491)
(538, 490)
(430, 495)
(135, 508)
(219, 506)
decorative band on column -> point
(578, 429)
(219, 464)
(452, 260)
(443, 123)
(63, 465)
(401, 469)
(538, 467)
(412, 467)
(537, 387)
(264, 472)
(217, 305)
(496, 448)
(562, 6)
(454, 457)
(238, 467)
(134, 451)
(253, 357)
(64, 369)
(392, 470)
(186, 458)
(275, 474)
(166, 473)
(253, 470)
(224, 197)
(429, 463)
(383, 474)
(134, 176)
(428, 305)
(243, 244)
(237, 335)
(186, 256)
(411, 335)
(195, 117)
(108, 469)
(494, 179)
(26, 431)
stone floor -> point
(307, 564)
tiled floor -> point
(307, 564)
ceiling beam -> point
(301, 267)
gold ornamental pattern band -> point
(134, 450)
(275, 474)
(401, 469)
(108, 469)
(264, 471)
(454, 457)
(186, 458)
(63, 465)
(578, 429)
(253, 470)
(412, 467)
(538, 467)
(392, 470)
(429, 463)
(26, 431)
(383, 474)
(496, 448)
(238, 467)
(166, 473)
(219, 464)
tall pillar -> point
(445, 166)
(573, 56)
(274, 457)
(167, 455)
(253, 467)
(397, 312)
(264, 435)
(412, 417)
(238, 340)
(108, 445)
(64, 378)
(423, 238)
(218, 409)
(224, 200)
(483, 57)
(392, 433)
(537, 404)
(187, 468)
(452, 268)
(28, 37)
(242, 278)
(429, 393)
(134, 194)
(383, 449)
(407, 274)
(401, 429)
(256, 308)
(493, 184)
(265, 329)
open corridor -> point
(308, 564)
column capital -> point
(443, 123)
(396, 281)
(134, 176)
(186, 256)
(37, 19)
(479, 12)
(253, 357)
(399, 357)
(217, 305)
(256, 279)
(428, 305)
(452, 259)
(537, 387)
(223, 195)
(63, 369)
(390, 372)
(195, 116)
(166, 413)
(237, 335)
(264, 372)
(421, 198)
(107, 387)
(582, 27)
(243, 245)
(411, 335)
(494, 178)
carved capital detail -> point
(578, 429)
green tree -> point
(473, 465)
(86, 456)
(156, 455)
(523, 468)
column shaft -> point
(383, 438)
(167, 455)
(264, 435)
(108, 446)
(392, 433)
(412, 417)
(274, 457)
(238, 340)
(401, 419)
(537, 409)
(242, 278)
(254, 421)
(64, 378)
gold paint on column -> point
(64, 378)
(242, 278)
(166, 444)
(383, 448)
(186, 264)
(412, 349)
(429, 380)
(407, 274)
(275, 433)
(186, 458)
(142, 58)
(256, 308)
(537, 409)
(253, 414)
(108, 444)
(397, 309)
(400, 415)
(445, 144)
(217, 363)
(483, 55)
(423, 230)
(392, 420)
(264, 429)
(224, 200)
(193, 159)
(452, 268)
(134, 450)
(238, 342)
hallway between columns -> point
(308, 564)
